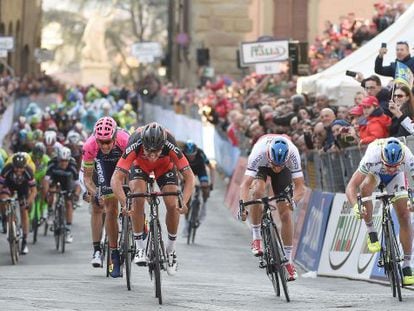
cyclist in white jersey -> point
(273, 156)
(384, 164)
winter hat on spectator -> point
(356, 111)
(340, 122)
(370, 101)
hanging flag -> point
(403, 74)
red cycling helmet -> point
(105, 128)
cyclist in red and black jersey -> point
(153, 149)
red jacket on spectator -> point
(222, 107)
(376, 127)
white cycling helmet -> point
(64, 154)
(50, 138)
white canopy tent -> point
(333, 81)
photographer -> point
(344, 133)
(402, 108)
(403, 56)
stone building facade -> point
(22, 19)
(221, 26)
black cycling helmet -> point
(39, 150)
(153, 137)
(19, 160)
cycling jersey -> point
(13, 182)
(198, 164)
(41, 168)
(170, 157)
(66, 177)
(104, 163)
(258, 157)
(371, 161)
(29, 161)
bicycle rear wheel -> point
(127, 243)
(276, 249)
(195, 219)
(62, 229)
(156, 260)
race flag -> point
(403, 74)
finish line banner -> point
(311, 239)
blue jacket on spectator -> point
(389, 71)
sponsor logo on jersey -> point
(132, 147)
(173, 147)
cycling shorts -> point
(279, 181)
(168, 178)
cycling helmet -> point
(64, 154)
(38, 135)
(153, 136)
(35, 119)
(190, 148)
(392, 152)
(50, 138)
(105, 128)
(19, 160)
(278, 151)
(39, 150)
(128, 107)
(74, 138)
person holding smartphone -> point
(402, 108)
(403, 56)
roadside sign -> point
(264, 52)
(43, 55)
(141, 49)
(268, 68)
(146, 59)
(7, 43)
(3, 53)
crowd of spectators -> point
(339, 40)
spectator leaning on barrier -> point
(376, 122)
(402, 108)
(403, 55)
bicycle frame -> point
(274, 257)
(390, 255)
(155, 246)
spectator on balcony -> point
(376, 122)
(402, 108)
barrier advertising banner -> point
(299, 217)
(345, 251)
(313, 231)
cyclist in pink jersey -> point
(101, 153)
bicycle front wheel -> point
(395, 273)
(276, 250)
(155, 235)
(35, 221)
(127, 244)
(271, 270)
(13, 241)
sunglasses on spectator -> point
(399, 95)
(104, 142)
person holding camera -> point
(344, 133)
(403, 56)
(402, 108)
